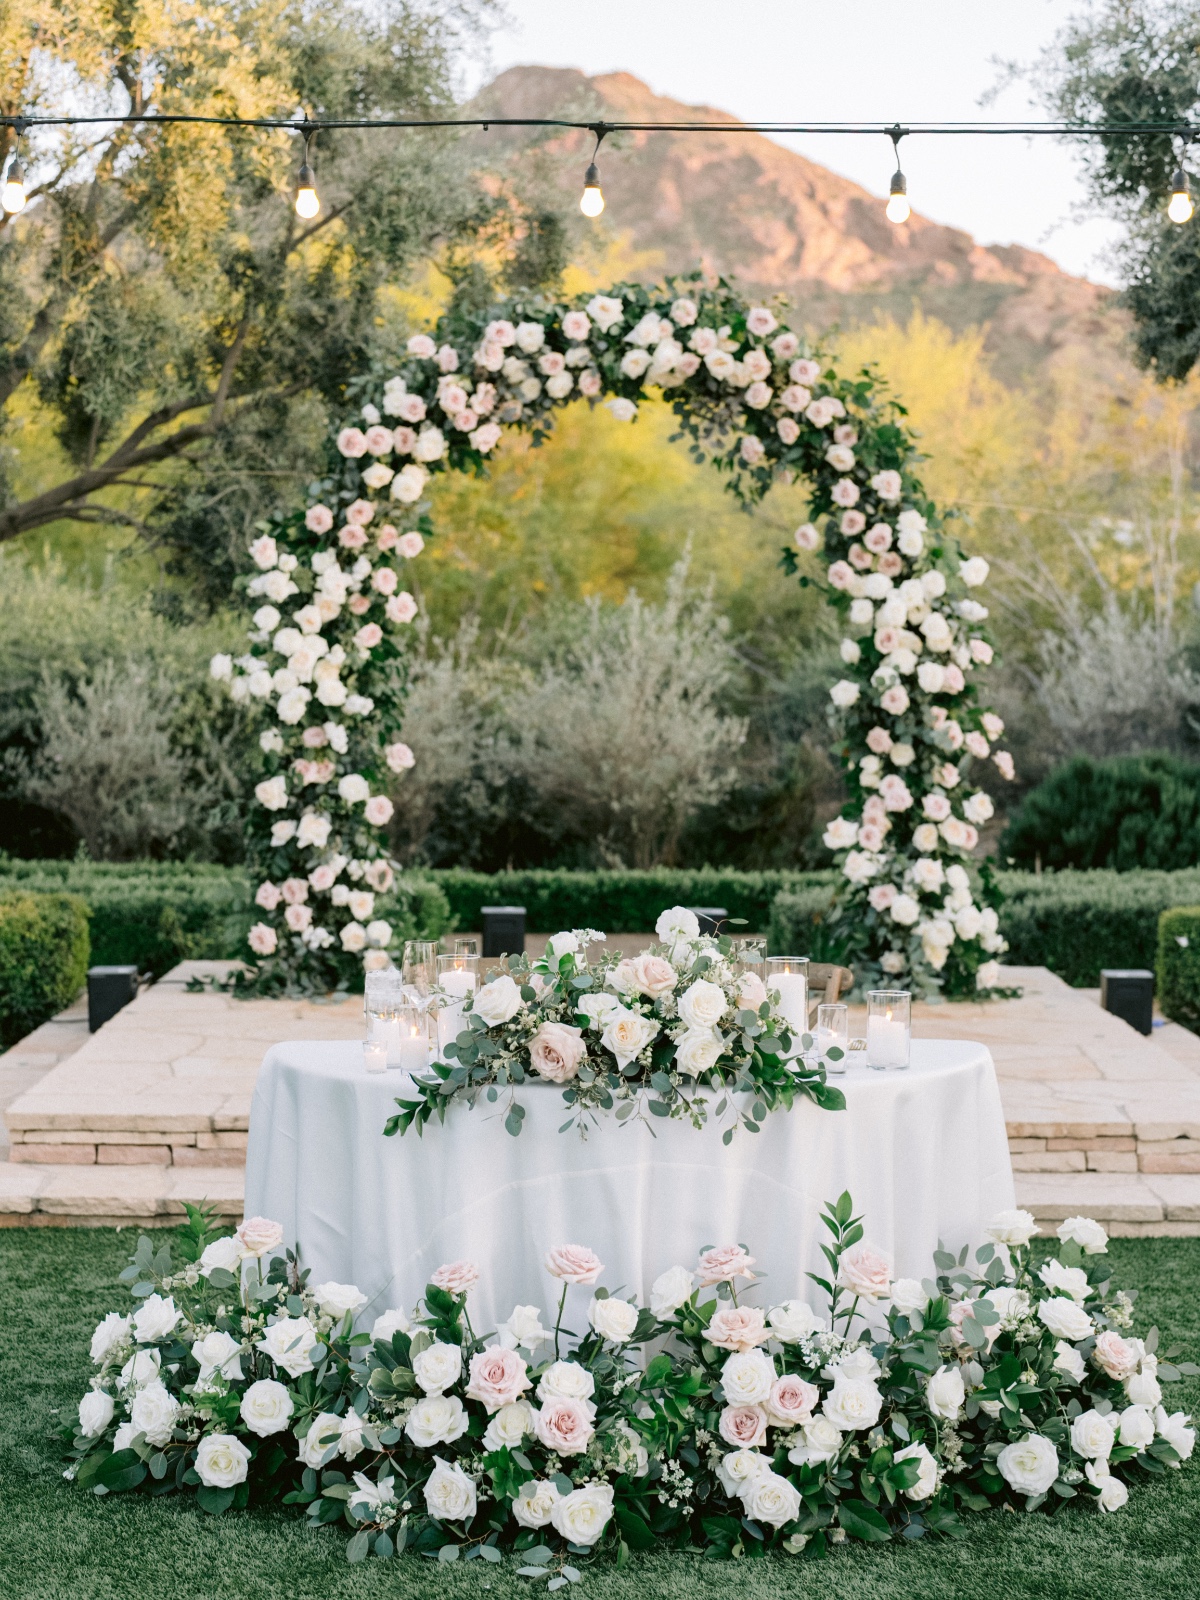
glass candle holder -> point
(375, 1055)
(465, 946)
(787, 978)
(383, 994)
(833, 1033)
(889, 1029)
(412, 1054)
(457, 976)
(420, 966)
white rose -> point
(155, 1319)
(524, 1327)
(927, 1471)
(218, 1352)
(747, 1378)
(1069, 1362)
(1113, 1493)
(388, 1323)
(821, 1442)
(498, 1001)
(566, 1380)
(908, 1295)
(678, 925)
(508, 1426)
(1011, 1303)
(597, 1007)
(974, 572)
(702, 1005)
(110, 1335)
(945, 1393)
(613, 1319)
(697, 1051)
(582, 1516)
(737, 1468)
(1175, 1431)
(1030, 1466)
(354, 788)
(153, 1413)
(534, 1503)
(144, 1367)
(1012, 1227)
(437, 1367)
(266, 1407)
(1143, 1388)
(1136, 1427)
(221, 1461)
(627, 1033)
(1092, 1435)
(291, 1344)
(225, 1254)
(95, 1412)
(1072, 1281)
(670, 1290)
(335, 1299)
(794, 1320)
(844, 693)
(449, 1493)
(852, 1403)
(1064, 1318)
(437, 1419)
(1086, 1233)
(768, 1497)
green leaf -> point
(636, 1532)
(862, 1521)
(562, 1483)
(359, 1547)
(214, 1501)
(448, 1552)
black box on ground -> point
(1128, 992)
(503, 930)
(109, 988)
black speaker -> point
(1128, 992)
(109, 988)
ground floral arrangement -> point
(633, 1036)
(755, 1428)
(332, 612)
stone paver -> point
(31, 1058)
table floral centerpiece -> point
(682, 1030)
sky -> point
(840, 60)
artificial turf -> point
(60, 1543)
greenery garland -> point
(761, 405)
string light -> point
(591, 201)
(308, 201)
(898, 209)
(12, 195)
(1180, 207)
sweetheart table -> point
(923, 1153)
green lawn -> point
(58, 1543)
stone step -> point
(1128, 1204)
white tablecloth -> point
(923, 1153)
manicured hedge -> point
(799, 923)
(617, 902)
(1075, 923)
(1130, 813)
(1177, 969)
(155, 914)
(43, 958)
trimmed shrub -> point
(1075, 923)
(154, 914)
(1128, 813)
(617, 902)
(800, 923)
(43, 958)
(1177, 969)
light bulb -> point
(898, 208)
(308, 202)
(12, 196)
(591, 202)
(1180, 207)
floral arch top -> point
(331, 610)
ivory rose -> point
(652, 975)
(449, 1493)
(613, 1319)
(1030, 1465)
(436, 1419)
(498, 1002)
(747, 1378)
(1117, 1356)
(582, 1516)
(702, 1004)
(865, 1272)
(535, 1501)
(771, 1498)
(627, 1033)
(437, 1367)
(556, 1051)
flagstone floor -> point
(129, 1123)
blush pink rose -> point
(262, 939)
(295, 891)
(359, 513)
(744, 1427)
(882, 896)
(368, 637)
(1115, 1355)
(737, 1328)
(257, 1235)
(556, 1050)
(314, 737)
(723, 1264)
(352, 442)
(378, 810)
(322, 879)
(792, 1400)
(387, 537)
(894, 700)
(752, 991)
(497, 1378)
(318, 519)
(565, 1426)
(864, 1271)
(401, 607)
(573, 1263)
(351, 538)
(359, 604)
(404, 439)
(852, 522)
(384, 580)
(410, 545)
(891, 565)
(954, 680)
(878, 538)
(268, 896)
(298, 918)
(652, 975)
(456, 1277)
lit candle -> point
(787, 978)
(414, 1046)
(385, 1030)
(456, 975)
(887, 1040)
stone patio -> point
(153, 1110)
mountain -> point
(737, 203)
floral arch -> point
(326, 663)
